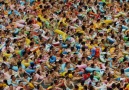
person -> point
(64, 44)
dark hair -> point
(72, 48)
(20, 82)
(5, 81)
(118, 85)
(4, 58)
(122, 71)
(85, 87)
(91, 88)
(82, 82)
(83, 48)
(12, 76)
(113, 85)
(108, 79)
(79, 62)
(21, 89)
(32, 43)
(91, 77)
(19, 64)
(76, 87)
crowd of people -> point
(64, 44)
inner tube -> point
(111, 41)
(126, 70)
(125, 38)
(15, 68)
(101, 9)
(89, 69)
(64, 52)
(93, 52)
(127, 44)
(63, 67)
(30, 71)
(52, 59)
(101, 58)
(78, 46)
(64, 45)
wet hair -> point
(32, 43)
(83, 48)
(4, 58)
(21, 89)
(108, 79)
(109, 88)
(85, 87)
(32, 65)
(20, 82)
(82, 82)
(106, 63)
(29, 22)
(61, 55)
(92, 65)
(83, 43)
(5, 81)
(80, 40)
(118, 85)
(122, 71)
(40, 6)
(76, 87)
(24, 74)
(72, 48)
(12, 76)
(79, 62)
(91, 88)
(60, 61)
(91, 77)
(83, 27)
(38, 86)
(38, 19)
(85, 7)
(19, 64)
(8, 51)
(124, 58)
(51, 47)
(113, 85)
